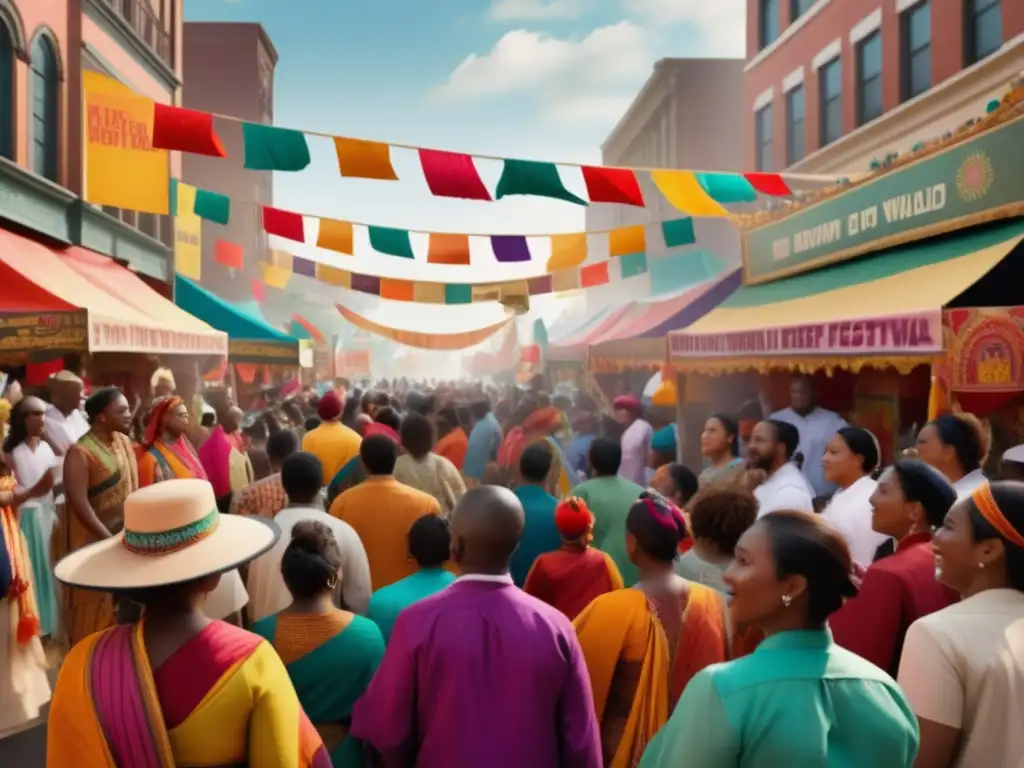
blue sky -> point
(540, 79)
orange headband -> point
(989, 509)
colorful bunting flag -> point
(452, 174)
(281, 259)
(727, 187)
(333, 276)
(510, 249)
(188, 232)
(269, 148)
(529, 177)
(428, 293)
(396, 290)
(286, 224)
(625, 240)
(448, 249)
(567, 251)
(538, 286)
(360, 159)
(304, 267)
(276, 277)
(366, 284)
(458, 293)
(336, 236)
(683, 191)
(594, 274)
(259, 292)
(212, 206)
(185, 130)
(393, 242)
(633, 264)
(566, 280)
(229, 254)
(612, 185)
(678, 232)
(769, 184)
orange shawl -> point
(21, 570)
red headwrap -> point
(376, 428)
(573, 517)
(330, 406)
(545, 420)
(628, 403)
(157, 413)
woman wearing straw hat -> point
(175, 688)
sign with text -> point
(36, 332)
(109, 336)
(967, 183)
(913, 334)
(122, 170)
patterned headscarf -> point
(157, 415)
(573, 517)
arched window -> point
(45, 129)
(6, 92)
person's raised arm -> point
(76, 487)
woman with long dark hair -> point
(720, 445)
(799, 699)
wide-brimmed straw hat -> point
(172, 533)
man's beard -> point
(759, 462)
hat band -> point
(165, 542)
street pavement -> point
(26, 747)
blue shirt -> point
(578, 453)
(798, 700)
(387, 602)
(540, 534)
(484, 441)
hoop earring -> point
(786, 601)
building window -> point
(6, 92)
(763, 137)
(769, 22)
(983, 29)
(798, 8)
(916, 54)
(830, 86)
(795, 122)
(45, 128)
(869, 78)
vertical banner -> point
(188, 235)
(122, 170)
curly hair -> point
(721, 515)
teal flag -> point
(529, 177)
(212, 206)
(393, 242)
(678, 232)
(633, 264)
(269, 148)
(727, 187)
(458, 293)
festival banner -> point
(122, 169)
(914, 334)
(188, 234)
(352, 363)
(970, 182)
(986, 353)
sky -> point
(536, 79)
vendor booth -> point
(880, 288)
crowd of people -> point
(455, 575)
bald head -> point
(487, 524)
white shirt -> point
(267, 591)
(635, 442)
(816, 429)
(969, 483)
(963, 667)
(65, 431)
(850, 513)
(227, 598)
(30, 466)
(786, 489)
(493, 578)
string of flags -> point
(679, 270)
(448, 248)
(455, 175)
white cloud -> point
(720, 24)
(519, 10)
(588, 108)
(522, 60)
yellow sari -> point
(224, 698)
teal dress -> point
(798, 700)
(386, 603)
(331, 678)
(540, 534)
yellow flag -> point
(188, 235)
(122, 169)
(683, 191)
(276, 277)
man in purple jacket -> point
(481, 674)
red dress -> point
(570, 578)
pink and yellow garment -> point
(223, 698)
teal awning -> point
(250, 340)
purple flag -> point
(366, 283)
(304, 267)
(509, 249)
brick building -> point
(229, 70)
(832, 84)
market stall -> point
(858, 282)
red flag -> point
(185, 130)
(769, 184)
(258, 290)
(452, 174)
(229, 254)
(594, 274)
(284, 224)
(612, 185)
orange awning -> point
(123, 314)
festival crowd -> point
(455, 575)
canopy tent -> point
(250, 339)
(57, 302)
(884, 309)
